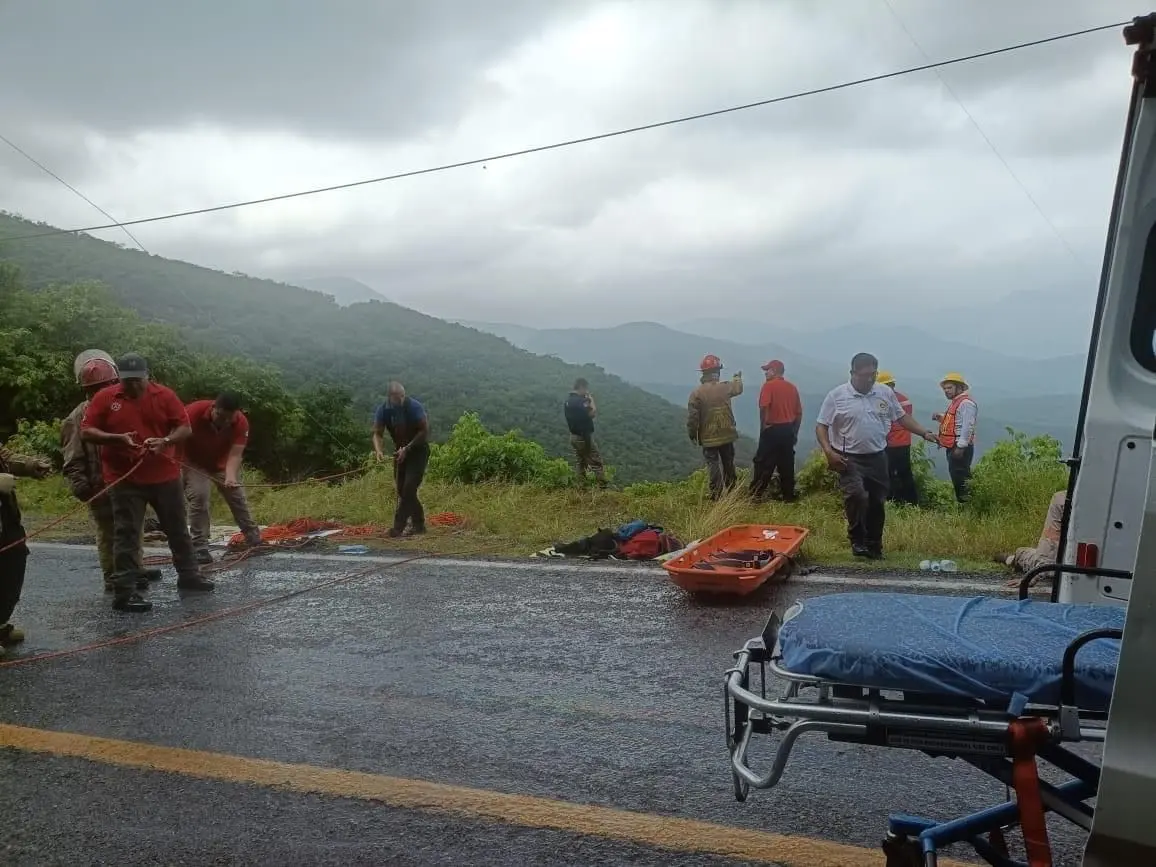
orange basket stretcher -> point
(737, 560)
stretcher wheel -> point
(742, 787)
(902, 852)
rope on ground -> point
(86, 503)
(229, 612)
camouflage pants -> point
(101, 511)
(587, 455)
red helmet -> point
(97, 371)
(710, 362)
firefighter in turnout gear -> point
(710, 423)
(82, 467)
(13, 546)
(957, 431)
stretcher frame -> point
(938, 726)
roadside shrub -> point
(934, 493)
(38, 439)
(473, 455)
(1017, 474)
(814, 477)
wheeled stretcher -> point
(1000, 684)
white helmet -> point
(86, 357)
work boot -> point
(859, 550)
(10, 635)
(203, 557)
(151, 575)
(1003, 559)
(195, 583)
(394, 532)
(130, 601)
(416, 530)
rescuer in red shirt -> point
(213, 453)
(781, 415)
(138, 420)
(903, 488)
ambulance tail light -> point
(1087, 554)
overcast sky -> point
(881, 201)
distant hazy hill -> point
(343, 290)
(313, 340)
(664, 361)
(914, 355)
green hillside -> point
(315, 342)
(661, 360)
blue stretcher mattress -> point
(973, 647)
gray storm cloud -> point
(878, 201)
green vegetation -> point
(515, 501)
(42, 332)
(311, 372)
(326, 353)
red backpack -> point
(647, 544)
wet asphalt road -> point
(590, 687)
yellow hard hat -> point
(955, 377)
(885, 377)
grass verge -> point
(516, 520)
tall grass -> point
(1012, 486)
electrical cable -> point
(577, 141)
(57, 177)
(1071, 251)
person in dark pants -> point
(13, 546)
(899, 449)
(781, 414)
(852, 432)
(957, 432)
(408, 425)
(710, 423)
(83, 468)
(139, 423)
(580, 412)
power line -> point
(1055, 230)
(54, 175)
(207, 313)
(584, 140)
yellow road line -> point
(673, 834)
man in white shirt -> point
(852, 431)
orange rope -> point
(207, 474)
(85, 503)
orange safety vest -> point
(947, 422)
(899, 436)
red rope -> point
(83, 505)
(229, 612)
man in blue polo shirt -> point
(408, 427)
(852, 429)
